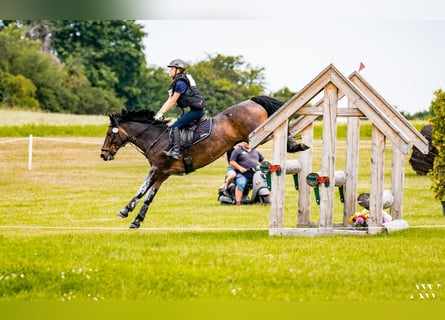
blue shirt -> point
(181, 86)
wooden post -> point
(352, 152)
(377, 181)
(397, 180)
(304, 190)
(278, 181)
(328, 155)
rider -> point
(244, 160)
(184, 93)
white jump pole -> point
(30, 153)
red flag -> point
(362, 66)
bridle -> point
(116, 137)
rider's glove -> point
(159, 116)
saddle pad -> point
(196, 133)
(203, 130)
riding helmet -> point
(177, 63)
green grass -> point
(219, 266)
(62, 241)
(52, 130)
(21, 117)
(16, 123)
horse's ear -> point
(114, 119)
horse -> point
(151, 137)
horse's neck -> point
(144, 135)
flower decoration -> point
(359, 220)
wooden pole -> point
(328, 155)
(352, 153)
(278, 181)
(377, 181)
(304, 190)
(397, 180)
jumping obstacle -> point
(363, 102)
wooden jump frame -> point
(363, 101)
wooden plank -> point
(307, 232)
(312, 232)
(376, 181)
(413, 135)
(278, 181)
(397, 181)
(328, 155)
(261, 133)
(300, 124)
(352, 153)
(372, 113)
(304, 190)
(341, 112)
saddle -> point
(190, 135)
(196, 132)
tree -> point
(16, 90)
(437, 108)
(283, 94)
(155, 87)
(21, 57)
(111, 52)
(30, 78)
(226, 80)
(98, 66)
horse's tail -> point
(268, 103)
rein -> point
(156, 141)
(132, 140)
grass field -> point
(62, 241)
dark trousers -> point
(188, 117)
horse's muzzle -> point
(106, 155)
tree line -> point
(99, 66)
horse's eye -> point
(115, 130)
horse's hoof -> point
(297, 147)
(136, 224)
(123, 213)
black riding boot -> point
(292, 146)
(174, 151)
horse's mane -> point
(141, 116)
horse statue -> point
(210, 140)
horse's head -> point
(133, 127)
(115, 139)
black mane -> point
(141, 116)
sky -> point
(401, 46)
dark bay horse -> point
(151, 137)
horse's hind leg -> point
(140, 193)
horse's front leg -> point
(140, 193)
(144, 208)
